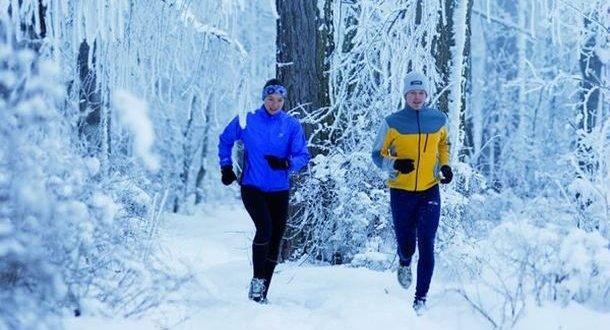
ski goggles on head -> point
(275, 89)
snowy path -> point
(305, 297)
(215, 244)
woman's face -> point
(274, 103)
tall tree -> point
(589, 106)
(451, 49)
(304, 42)
(590, 68)
(89, 95)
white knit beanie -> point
(416, 81)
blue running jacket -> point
(279, 135)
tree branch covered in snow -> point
(87, 168)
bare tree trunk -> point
(591, 70)
(187, 157)
(466, 118)
(89, 99)
(304, 41)
(447, 62)
(441, 49)
(204, 153)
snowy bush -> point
(585, 267)
(357, 212)
(67, 236)
(522, 259)
(39, 213)
(589, 191)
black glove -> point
(404, 166)
(228, 176)
(277, 163)
(447, 174)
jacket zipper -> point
(426, 143)
(418, 149)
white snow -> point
(215, 245)
(133, 113)
(106, 206)
(273, 9)
(190, 19)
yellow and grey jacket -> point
(420, 135)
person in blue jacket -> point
(274, 146)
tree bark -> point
(304, 43)
(443, 48)
(89, 99)
(199, 197)
(590, 68)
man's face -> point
(274, 103)
(416, 98)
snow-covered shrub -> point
(357, 211)
(589, 191)
(585, 269)
(374, 255)
(522, 258)
(67, 235)
(43, 224)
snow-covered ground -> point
(214, 245)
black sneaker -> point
(419, 305)
(257, 290)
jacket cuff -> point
(388, 164)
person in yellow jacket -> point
(413, 146)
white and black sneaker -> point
(257, 290)
(419, 305)
(404, 276)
